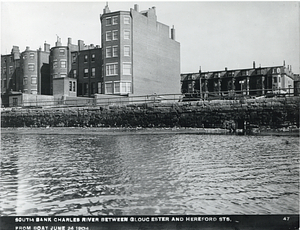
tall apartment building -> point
(139, 56)
(249, 81)
(87, 69)
(10, 71)
(35, 70)
(75, 69)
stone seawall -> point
(231, 115)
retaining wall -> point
(215, 114)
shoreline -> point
(138, 131)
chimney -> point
(253, 64)
(58, 42)
(69, 41)
(27, 48)
(106, 9)
(225, 68)
(80, 45)
(283, 62)
(136, 7)
(173, 33)
(46, 47)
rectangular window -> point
(11, 69)
(74, 73)
(115, 51)
(93, 87)
(115, 20)
(31, 55)
(111, 69)
(85, 72)
(108, 88)
(275, 79)
(74, 86)
(62, 52)
(11, 59)
(31, 67)
(86, 88)
(127, 51)
(55, 76)
(4, 60)
(33, 91)
(108, 36)
(99, 87)
(93, 72)
(126, 87)
(116, 87)
(108, 21)
(126, 68)
(4, 83)
(108, 52)
(70, 85)
(126, 20)
(54, 64)
(126, 34)
(63, 75)
(93, 57)
(63, 64)
(25, 81)
(33, 80)
(74, 57)
(15, 101)
(4, 70)
(115, 35)
(85, 58)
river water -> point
(72, 171)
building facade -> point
(237, 82)
(139, 57)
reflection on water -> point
(96, 174)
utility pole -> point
(200, 85)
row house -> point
(249, 81)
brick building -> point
(139, 56)
(238, 82)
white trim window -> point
(126, 68)
(85, 72)
(127, 51)
(93, 57)
(108, 21)
(126, 20)
(33, 79)
(31, 67)
(63, 64)
(111, 69)
(62, 52)
(125, 87)
(115, 35)
(116, 87)
(31, 55)
(54, 64)
(108, 87)
(115, 51)
(63, 75)
(115, 20)
(74, 73)
(126, 34)
(93, 72)
(108, 52)
(108, 36)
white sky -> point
(213, 35)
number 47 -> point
(287, 218)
